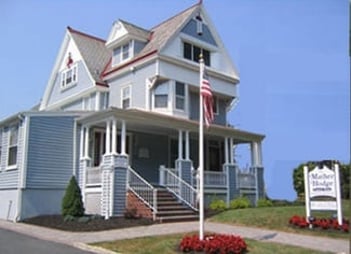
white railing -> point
(143, 190)
(247, 180)
(184, 191)
(93, 176)
(215, 179)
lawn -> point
(277, 218)
(169, 244)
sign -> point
(323, 183)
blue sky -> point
(292, 56)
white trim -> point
(74, 148)
(97, 100)
(114, 136)
(25, 151)
(123, 138)
(12, 166)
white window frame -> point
(74, 70)
(125, 97)
(11, 146)
(156, 93)
(125, 53)
(104, 100)
(177, 96)
(192, 52)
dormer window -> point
(193, 52)
(122, 53)
(69, 76)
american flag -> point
(206, 94)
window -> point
(13, 142)
(69, 76)
(193, 52)
(180, 95)
(126, 95)
(215, 105)
(161, 95)
(104, 101)
(121, 53)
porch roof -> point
(157, 121)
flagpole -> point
(201, 157)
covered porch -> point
(150, 149)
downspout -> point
(23, 167)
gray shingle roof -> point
(135, 30)
(93, 51)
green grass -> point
(277, 218)
(169, 244)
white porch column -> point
(254, 154)
(259, 153)
(86, 145)
(123, 138)
(81, 147)
(97, 101)
(108, 137)
(231, 147)
(180, 144)
(187, 146)
(114, 136)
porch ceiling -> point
(151, 122)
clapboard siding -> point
(50, 151)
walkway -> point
(81, 239)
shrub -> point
(72, 203)
(218, 205)
(262, 202)
(240, 203)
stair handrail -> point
(143, 190)
(180, 188)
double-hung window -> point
(13, 143)
(180, 96)
(69, 76)
(161, 95)
(126, 95)
(193, 52)
(122, 53)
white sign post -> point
(323, 183)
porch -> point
(149, 150)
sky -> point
(292, 58)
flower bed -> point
(322, 223)
(214, 244)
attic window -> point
(192, 52)
(69, 76)
(122, 53)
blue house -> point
(122, 116)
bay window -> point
(161, 95)
(180, 95)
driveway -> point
(15, 243)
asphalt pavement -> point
(82, 239)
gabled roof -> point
(135, 30)
(159, 36)
(93, 51)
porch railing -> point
(143, 190)
(247, 180)
(215, 179)
(94, 176)
(183, 191)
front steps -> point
(169, 209)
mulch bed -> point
(93, 224)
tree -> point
(72, 203)
(344, 170)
